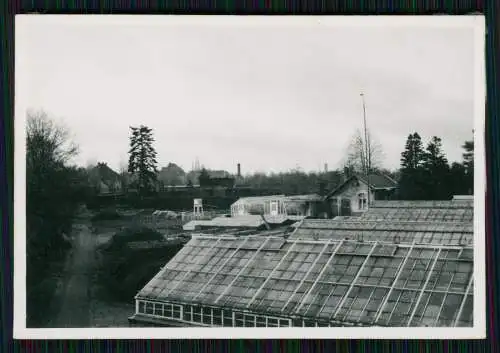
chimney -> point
(239, 170)
(326, 167)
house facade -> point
(352, 197)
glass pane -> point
(261, 321)
(207, 319)
(176, 312)
(158, 310)
(466, 318)
(271, 322)
(149, 308)
(284, 323)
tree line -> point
(426, 174)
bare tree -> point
(47, 141)
(357, 158)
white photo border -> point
(478, 331)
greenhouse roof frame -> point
(356, 282)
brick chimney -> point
(239, 170)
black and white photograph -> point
(230, 176)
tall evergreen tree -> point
(411, 180)
(142, 158)
(468, 163)
(458, 183)
(437, 171)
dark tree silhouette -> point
(436, 171)
(468, 163)
(411, 185)
(142, 159)
(204, 178)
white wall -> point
(351, 192)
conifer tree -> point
(411, 182)
(142, 158)
(468, 163)
(436, 171)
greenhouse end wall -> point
(151, 313)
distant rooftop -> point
(376, 181)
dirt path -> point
(72, 300)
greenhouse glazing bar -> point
(421, 294)
(354, 281)
(457, 319)
(400, 270)
(200, 261)
(327, 265)
(313, 265)
(250, 260)
(221, 267)
(268, 278)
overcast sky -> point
(269, 97)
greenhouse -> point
(422, 232)
(270, 281)
(277, 205)
(433, 211)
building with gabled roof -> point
(351, 196)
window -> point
(271, 322)
(217, 317)
(149, 308)
(196, 314)
(167, 310)
(176, 313)
(188, 315)
(207, 316)
(284, 323)
(249, 320)
(142, 306)
(239, 321)
(362, 202)
(261, 321)
(227, 318)
(158, 309)
(274, 208)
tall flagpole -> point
(367, 148)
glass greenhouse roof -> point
(445, 233)
(352, 282)
(417, 213)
